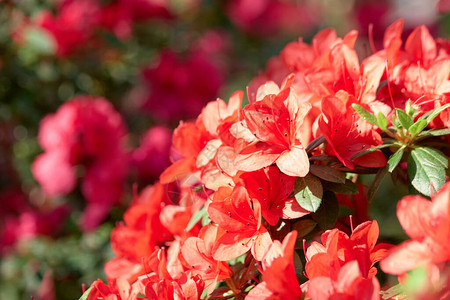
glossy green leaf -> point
(382, 121)
(199, 215)
(366, 115)
(404, 119)
(426, 168)
(364, 152)
(308, 192)
(418, 126)
(86, 294)
(375, 185)
(392, 292)
(416, 281)
(436, 112)
(395, 159)
(435, 132)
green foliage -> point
(202, 215)
(85, 294)
(382, 121)
(395, 159)
(403, 118)
(308, 192)
(426, 169)
(368, 116)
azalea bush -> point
(251, 205)
(324, 177)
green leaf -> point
(308, 192)
(416, 281)
(341, 188)
(85, 294)
(382, 121)
(395, 159)
(327, 173)
(409, 108)
(239, 259)
(375, 185)
(426, 167)
(435, 132)
(39, 41)
(199, 215)
(435, 155)
(436, 112)
(304, 227)
(418, 126)
(392, 292)
(364, 152)
(404, 119)
(327, 214)
(368, 116)
(395, 121)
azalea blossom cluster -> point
(249, 207)
(75, 23)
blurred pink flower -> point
(73, 25)
(375, 14)
(119, 16)
(84, 131)
(152, 156)
(179, 88)
(30, 223)
(264, 17)
(443, 6)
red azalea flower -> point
(347, 133)
(428, 225)
(273, 190)
(275, 120)
(188, 140)
(198, 254)
(337, 249)
(161, 284)
(198, 144)
(278, 274)
(418, 72)
(349, 284)
(116, 290)
(239, 219)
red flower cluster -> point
(250, 176)
(89, 132)
(263, 17)
(76, 21)
(428, 225)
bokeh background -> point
(156, 62)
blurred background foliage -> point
(38, 75)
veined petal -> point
(294, 162)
